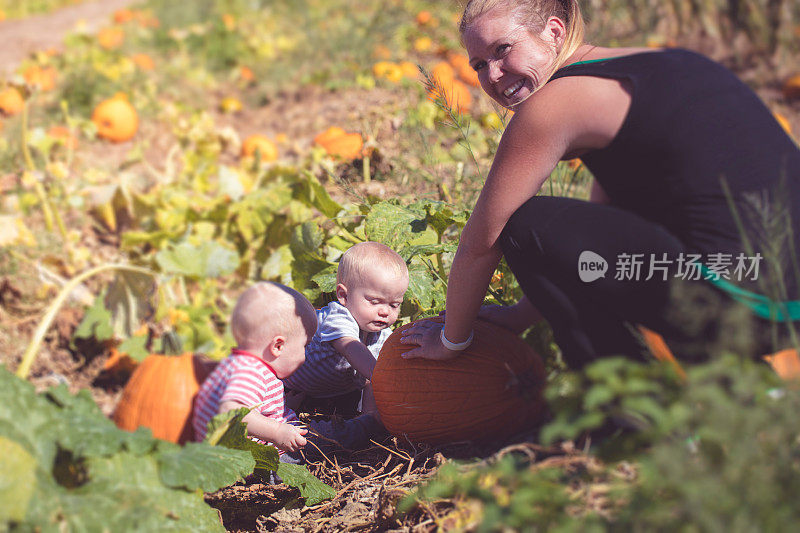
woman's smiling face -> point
(511, 61)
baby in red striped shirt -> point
(272, 325)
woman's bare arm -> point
(558, 120)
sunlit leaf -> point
(229, 183)
(17, 480)
(207, 260)
(326, 279)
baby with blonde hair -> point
(371, 282)
(271, 324)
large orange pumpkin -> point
(116, 119)
(491, 390)
(160, 395)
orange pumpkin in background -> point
(265, 147)
(160, 395)
(11, 101)
(111, 38)
(143, 61)
(490, 391)
(347, 146)
(116, 119)
(456, 95)
(791, 87)
(64, 135)
(43, 77)
(121, 16)
(338, 143)
(443, 73)
(328, 135)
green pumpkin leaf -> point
(186, 467)
(326, 279)
(421, 286)
(311, 192)
(307, 239)
(17, 480)
(207, 260)
(392, 224)
(135, 347)
(278, 265)
(312, 489)
(228, 430)
(96, 323)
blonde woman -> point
(684, 155)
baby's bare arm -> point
(285, 436)
(357, 354)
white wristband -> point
(456, 347)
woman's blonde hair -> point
(533, 14)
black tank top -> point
(692, 123)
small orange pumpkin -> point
(143, 61)
(339, 143)
(409, 69)
(791, 87)
(267, 149)
(121, 16)
(64, 135)
(111, 38)
(491, 390)
(11, 101)
(246, 73)
(443, 73)
(423, 17)
(328, 135)
(116, 119)
(455, 94)
(785, 363)
(43, 77)
(160, 395)
(347, 146)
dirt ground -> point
(41, 32)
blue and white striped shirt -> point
(326, 372)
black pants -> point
(543, 242)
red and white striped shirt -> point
(244, 378)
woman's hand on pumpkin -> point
(426, 335)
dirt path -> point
(40, 32)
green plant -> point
(64, 465)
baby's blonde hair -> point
(267, 309)
(365, 256)
(533, 14)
